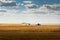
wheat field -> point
(29, 32)
(30, 28)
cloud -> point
(6, 1)
(27, 1)
(6, 12)
(2, 10)
(55, 7)
(29, 4)
(45, 9)
(40, 10)
(9, 13)
(9, 3)
(31, 8)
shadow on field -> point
(17, 35)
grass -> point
(16, 35)
(30, 28)
(29, 32)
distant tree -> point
(28, 24)
(38, 24)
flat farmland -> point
(29, 32)
(16, 35)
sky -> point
(30, 11)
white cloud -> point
(27, 1)
(29, 4)
(9, 12)
(53, 10)
(55, 7)
(42, 10)
(7, 1)
(9, 4)
(31, 15)
(32, 11)
(50, 8)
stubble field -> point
(29, 32)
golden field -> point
(29, 32)
(30, 28)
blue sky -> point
(30, 11)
